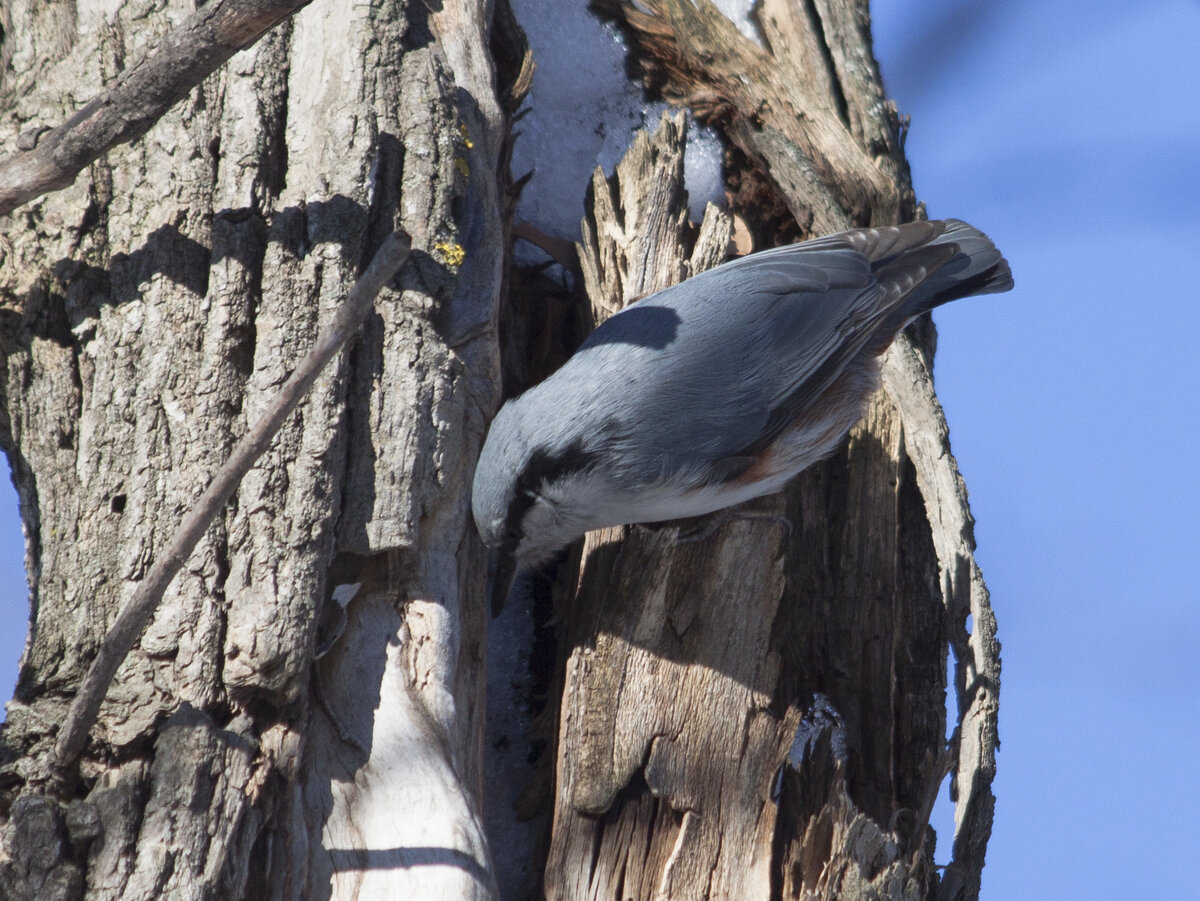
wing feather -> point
(737, 353)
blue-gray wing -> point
(703, 367)
(714, 368)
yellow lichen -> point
(452, 253)
(461, 165)
(466, 135)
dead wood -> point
(693, 666)
(807, 106)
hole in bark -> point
(14, 590)
(970, 624)
(942, 820)
(117, 503)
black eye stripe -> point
(542, 468)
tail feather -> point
(975, 266)
(918, 266)
(927, 264)
(979, 268)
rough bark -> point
(150, 309)
(758, 711)
(135, 616)
(49, 158)
(807, 107)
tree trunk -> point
(752, 711)
(153, 307)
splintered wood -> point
(694, 664)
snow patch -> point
(583, 112)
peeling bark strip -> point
(151, 310)
(909, 384)
(50, 159)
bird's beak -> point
(501, 582)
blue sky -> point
(1070, 132)
(14, 591)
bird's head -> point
(532, 495)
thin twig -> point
(132, 620)
(562, 252)
(137, 99)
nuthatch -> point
(716, 390)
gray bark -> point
(153, 306)
(50, 158)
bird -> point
(716, 390)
